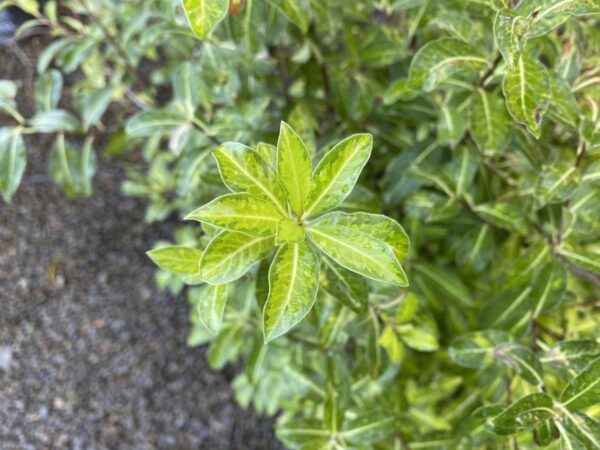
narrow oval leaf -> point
(296, 11)
(522, 360)
(177, 259)
(211, 301)
(525, 88)
(376, 225)
(244, 170)
(293, 285)
(150, 123)
(239, 212)
(583, 390)
(510, 32)
(347, 287)
(337, 173)
(439, 60)
(294, 168)
(572, 354)
(53, 121)
(48, 88)
(476, 349)
(490, 123)
(204, 15)
(73, 169)
(12, 161)
(359, 252)
(584, 428)
(230, 254)
(450, 126)
(94, 106)
(526, 412)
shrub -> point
(486, 139)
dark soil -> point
(91, 356)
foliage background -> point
(485, 123)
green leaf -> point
(12, 161)
(375, 225)
(437, 283)
(523, 360)
(418, 338)
(204, 15)
(239, 212)
(296, 11)
(177, 259)
(557, 182)
(502, 215)
(525, 88)
(211, 301)
(186, 87)
(439, 60)
(73, 170)
(587, 260)
(576, 354)
(490, 123)
(548, 14)
(294, 168)
(475, 249)
(584, 428)
(393, 345)
(244, 170)
(293, 285)
(48, 88)
(526, 412)
(346, 286)
(336, 174)
(230, 254)
(399, 90)
(94, 106)
(563, 106)
(357, 250)
(289, 230)
(53, 121)
(450, 126)
(151, 123)
(368, 427)
(476, 349)
(583, 390)
(514, 306)
(510, 32)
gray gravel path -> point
(91, 356)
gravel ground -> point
(91, 356)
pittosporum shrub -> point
(478, 131)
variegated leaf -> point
(510, 32)
(239, 212)
(211, 301)
(230, 254)
(12, 161)
(244, 170)
(490, 124)
(294, 168)
(525, 88)
(583, 390)
(375, 225)
(357, 250)
(438, 60)
(336, 174)
(204, 15)
(177, 259)
(293, 285)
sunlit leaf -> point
(293, 285)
